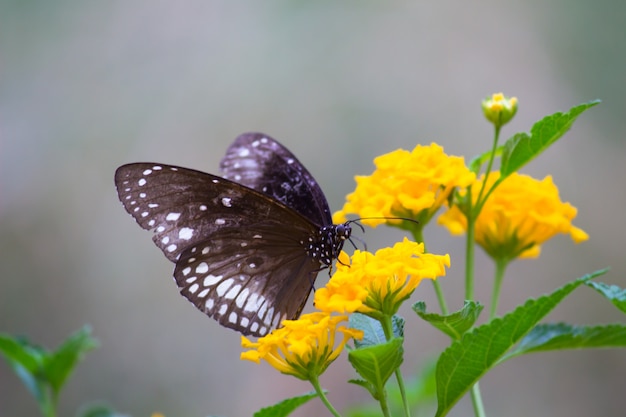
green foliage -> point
(455, 324)
(465, 361)
(523, 148)
(44, 372)
(376, 364)
(285, 407)
(373, 332)
(559, 336)
(613, 293)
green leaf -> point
(26, 360)
(99, 410)
(377, 363)
(561, 336)
(62, 362)
(478, 161)
(373, 333)
(613, 293)
(522, 148)
(455, 324)
(462, 364)
(285, 407)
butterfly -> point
(248, 245)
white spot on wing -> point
(147, 172)
(223, 309)
(243, 152)
(186, 271)
(232, 293)
(171, 248)
(211, 280)
(194, 288)
(209, 304)
(241, 298)
(227, 201)
(165, 240)
(220, 221)
(202, 268)
(141, 182)
(172, 217)
(185, 233)
(203, 207)
(232, 317)
(190, 280)
(224, 286)
(204, 292)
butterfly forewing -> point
(260, 162)
(225, 231)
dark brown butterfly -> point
(248, 245)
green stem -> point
(320, 392)
(440, 297)
(501, 265)
(48, 404)
(388, 329)
(477, 401)
(469, 258)
(496, 137)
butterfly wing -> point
(240, 256)
(262, 163)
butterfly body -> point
(247, 246)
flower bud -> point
(499, 109)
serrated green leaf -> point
(522, 148)
(377, 363)
(369, 387)
(62, 362)
(455, 324)
(613, 293)
(462, 364)
(373, 333)
(561, 336)
(285, 407)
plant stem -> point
(477, 401)
(388, 329)
(501, 265)
(469, 257)
(320, 392)
(418, 236)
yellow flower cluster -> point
(303, 348)
(406, 184)
(520, 215)
(377, 283)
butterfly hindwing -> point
(262, 163)
(264, 280)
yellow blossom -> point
(518, 217)
(499, 109)
(377, 283)
(406, 184)
(304, 347)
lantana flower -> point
(304, 347)
(518, 217)
(411, 184)
(376, 284)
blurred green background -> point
(87, 86)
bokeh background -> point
(86, 86)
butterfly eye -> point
(237, 241)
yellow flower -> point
(406, 184)
(518, 217)
(303, 348)
(499, 109)
(376, 284)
